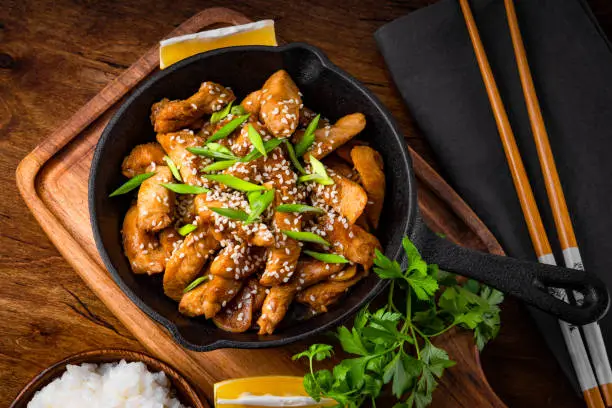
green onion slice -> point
(268, 146)
(212, 153)
(218, 166)
(306, 237)
(131, 184)
(238, 110)
(231, 213)
(234, 182)
(228, 128)
(316, 178)
(195, 283)
(173, 168)
(309, 137)
(294, 157)
(217, 116)
(299, 208)
(256, 140)
(259, 204)
(327, 258)
(185, 188)
(187, 229)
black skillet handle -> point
(528, 281)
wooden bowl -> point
(184, 391)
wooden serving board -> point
(53, 181)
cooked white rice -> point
(113, 385)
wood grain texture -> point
(56, 55)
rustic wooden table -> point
(55, 55)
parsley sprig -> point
(393, 345)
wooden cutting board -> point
(53, 181)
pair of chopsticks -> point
(596, 379)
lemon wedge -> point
(269, 391)
(178, 48)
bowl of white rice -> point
(109, 378)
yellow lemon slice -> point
(270, 391)
(178, 48)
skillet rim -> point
(169, 325)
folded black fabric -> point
(431, 59)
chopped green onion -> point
(195, 283)
(173, 168)
(299, 208)
(187, 229)
(218, 166)
(256, 140)
(315, 177)
(131, 184)
(234, 182)
(205, 151)
(185, 188)
(228, 128)
(219, 148)
(255, 154)
(259, 204)
(327, 258)
(306, 237)
(217, 116)
(238, 110)
(293, 157)
(231, 213)
(309, 137)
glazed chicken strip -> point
(344, 151)
(280, 104)
(210, 297)
(329, 138)
(187, 261)
(189, 164)
(321, 295)
(350, 241)
(237, 261)
(237, 316)
(369, 165)
(275, 307)
(310, 271)
(143, 159)
(170, 239)
(142, 248)
(170, 116)
(256, 233)
(155, 202)
(345, 196)
(284, 255)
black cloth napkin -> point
(431, 60)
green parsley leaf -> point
(386, 268)
(217, 116)
(173, 168)
(195, 283)
(327, 258)
(187, 229)
(131, 184)
(185, 188)
(299, 208)
(234, 182)
(309, 137)
(306, 236)
(228, 128)
(231, 213)
(256, 140)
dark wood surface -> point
(54, 56)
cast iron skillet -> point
(331, 91)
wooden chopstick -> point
(556, 198)
(539, 238)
